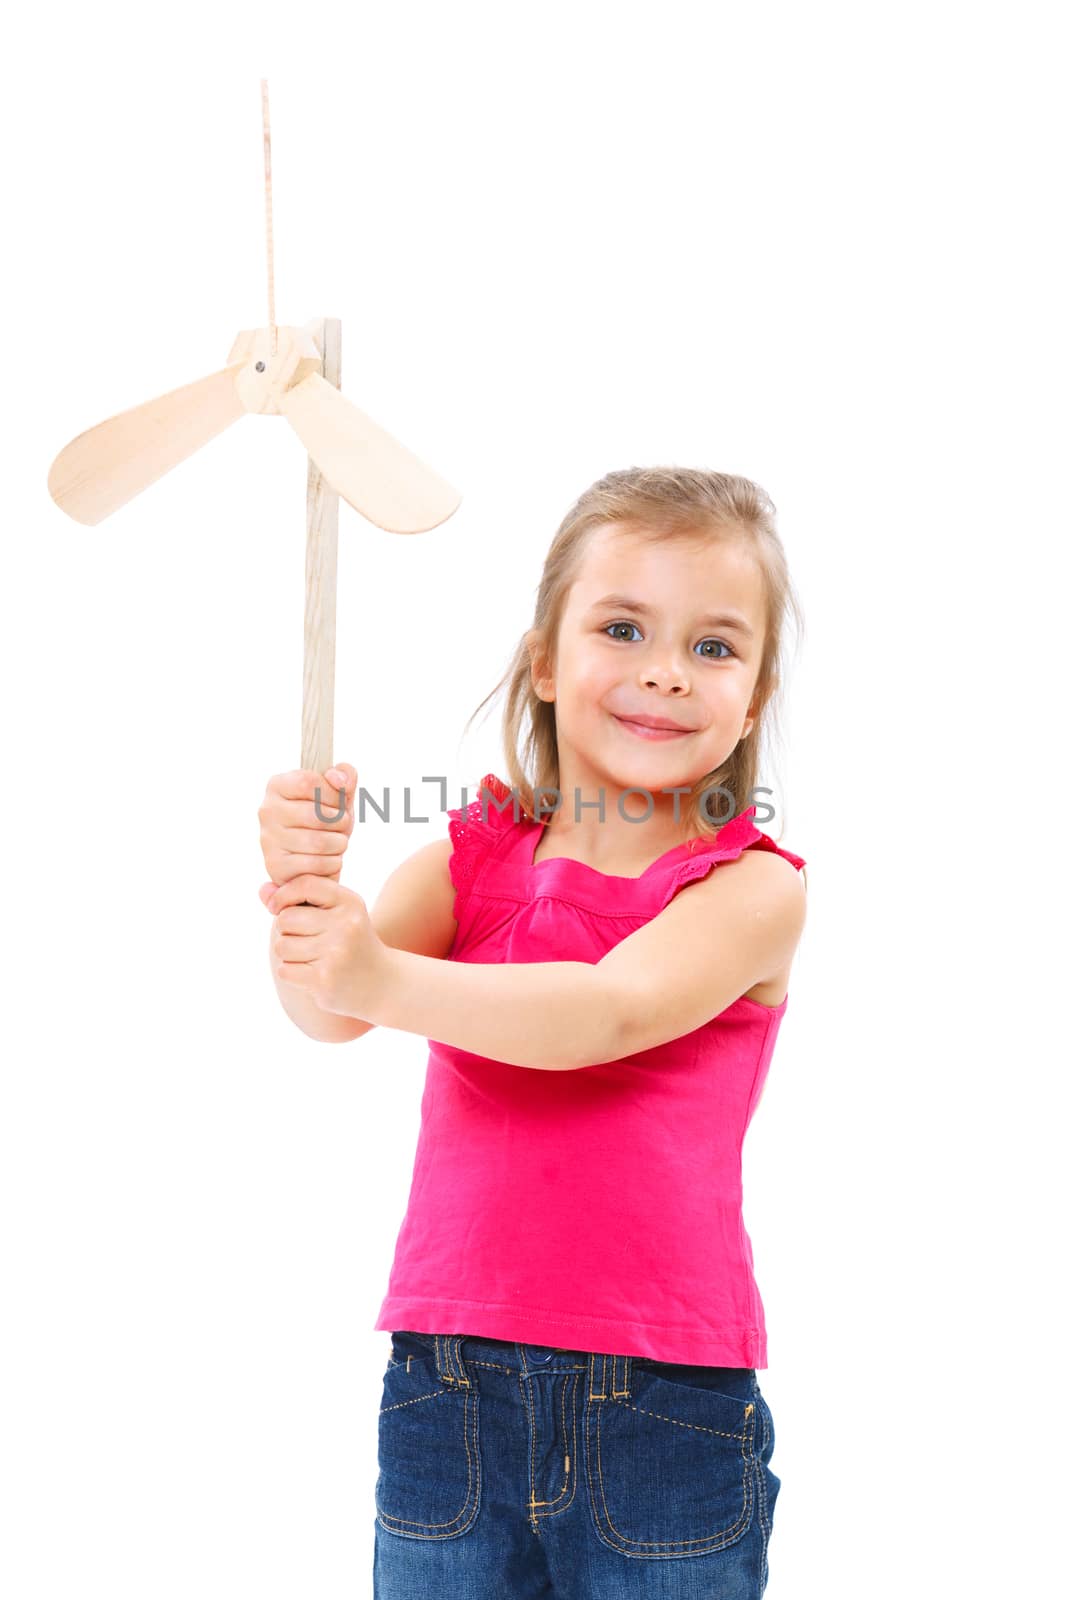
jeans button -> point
(537, 1356)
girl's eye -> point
(634, 625)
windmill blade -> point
(105, 467)
(378, 476)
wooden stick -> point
(320, 592)
(269, 213)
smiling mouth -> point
(649, 731)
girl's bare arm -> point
(718, 938)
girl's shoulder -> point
(699, 856)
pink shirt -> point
(599, 1209)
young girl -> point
(571, 1404)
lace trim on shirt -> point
(699, 865)
(474, 831)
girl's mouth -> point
(643, 732)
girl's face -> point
(669, 630)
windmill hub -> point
(265, 376)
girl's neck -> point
(614, 844)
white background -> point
(829, 247)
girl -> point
(601, 1007)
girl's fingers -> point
(315, 841)
(309, 888)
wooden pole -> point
(320, 591)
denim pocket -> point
(429, 1457)
(671, 1465)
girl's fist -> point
(305, 822)
(324, 943)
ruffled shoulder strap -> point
(476, 829)
(730, 841)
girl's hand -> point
(328, 947)
(294, 836)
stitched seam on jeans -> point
(721, 1433)
(415, 1401)
(563, 1500)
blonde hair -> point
(657, 503)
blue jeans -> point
(513, 1470)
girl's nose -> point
(665, 678)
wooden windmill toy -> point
(272, 371)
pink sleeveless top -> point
(598, 1209)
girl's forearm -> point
(550, 1015)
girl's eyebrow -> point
(728, 619)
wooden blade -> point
(104, 468)
(379, 477)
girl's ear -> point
(537, 664)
